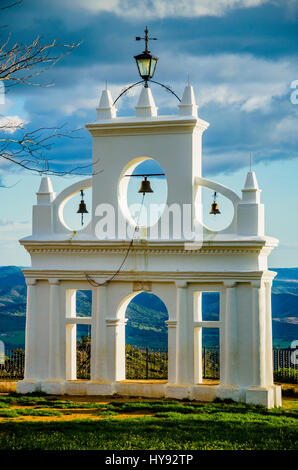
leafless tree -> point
(23, 64)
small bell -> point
(82, 208)
(145, 186)
(214, 206)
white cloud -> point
(10, 124)
(165, 8)
(242, 80)
(11, 226)
(286, 129)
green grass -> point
(167, 425)
(286, 375)
(14, 413)
(46, 401)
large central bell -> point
(145, 186)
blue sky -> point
(241, 56)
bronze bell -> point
(214, 206)
(82, 208)
(145, 186)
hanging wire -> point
(96, 284)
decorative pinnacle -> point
(146, 38)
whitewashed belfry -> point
(176, 268)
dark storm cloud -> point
(241, 64)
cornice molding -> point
(166, 125)
(159, 248)
(150, 276)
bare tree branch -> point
(18, 2)
(27, 150)
(18, 60)
(21, 64)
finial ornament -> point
(146, 38)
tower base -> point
(268, 397)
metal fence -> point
(285, 365)
(210, 363)
(146, 363)
(12, 364)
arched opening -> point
(71, 219)
(136, 209)
(146, 338)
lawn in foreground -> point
(135, 425)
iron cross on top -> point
(146, 38)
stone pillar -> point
(56, 326)
(262, 391)
(98, 337)
(185, 369)
(268, 334)
(229, 350)
(31, 333)
(115, 344)
(198, 365)
(258, 335)
(71, 336)
(172, 351)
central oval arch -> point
(130, 200)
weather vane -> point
(146, 38)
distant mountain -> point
(147, 314)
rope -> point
(91, 281)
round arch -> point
(158, 199)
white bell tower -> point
(232, 262)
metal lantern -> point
(214, 206)
(82, 208)
(146, 62)
(145, 186)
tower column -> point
(31, 333)
(198, 334)
(71, 336)
(230, 337)
(172, 351)
(115, 334)
(56, 357)
(185, 350)
(262, 391)
(258, 335)
(98, 339)
(268, 320)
